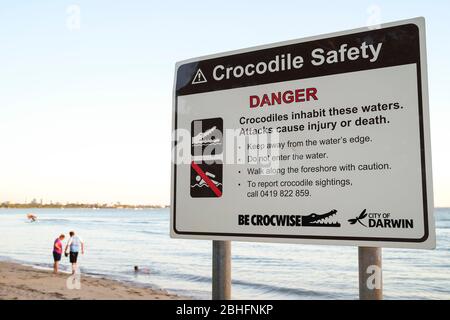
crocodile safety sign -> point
(323, 140)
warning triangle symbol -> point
(199, 77)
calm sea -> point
(117, 240)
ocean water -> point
(117, 240)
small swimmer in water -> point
(138, 270)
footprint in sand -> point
(58, 295)
(135, 292)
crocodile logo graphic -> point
(207, 137)
(320, 220)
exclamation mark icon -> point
(199, 77)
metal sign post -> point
(221, 270)
(370, 273)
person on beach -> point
(141, 270)
(57, 252)
(75, 244)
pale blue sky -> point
(85, 114)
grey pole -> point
(370, 273)
(221, 270)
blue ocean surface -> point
(117, 240)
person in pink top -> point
(57, 252)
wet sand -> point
(19, 282)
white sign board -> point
(321, 140)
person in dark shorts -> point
(57, 252)
(75, 245)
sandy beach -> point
(19, 282)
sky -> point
(86, 86)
